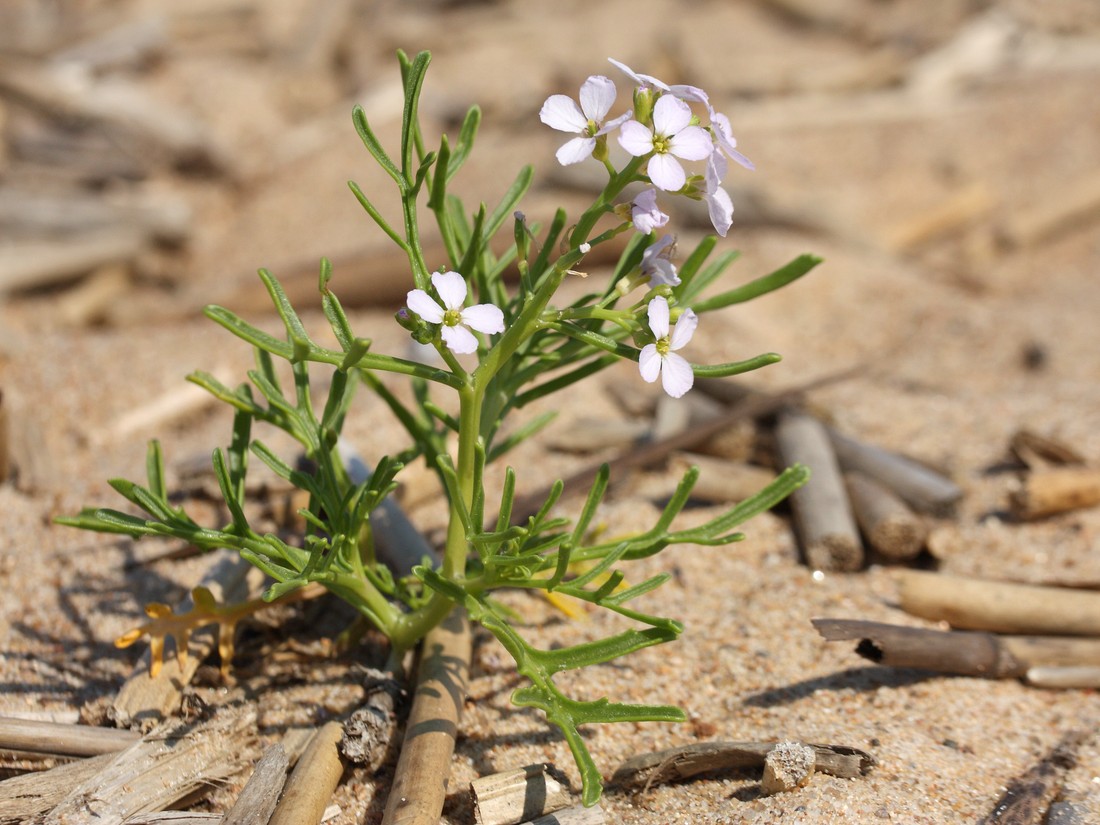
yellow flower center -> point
(452, 317)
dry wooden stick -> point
(161, 769)
(1001, 607)
(1064, 676)
(823, 515)
(512, 797)
(257, 799)
(420, 780)
(49, 738)
(1056, 490)
(1065, 207)
(1027, 797)
(22, 798)
(29, 264)
(144, 699)
(750, 405)
(689, 760)
(923, 488)
(315, 777)
(959, 652)
(890, 526)
(576, 815)
(721, 480)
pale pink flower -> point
(561, 112)
(660, 358)
(657, 263)
(456, 320)
(671, 137)
(644, 213)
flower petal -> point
(614, 123)
(561, 112)
(658, 316)
(649, 363)
(693, 93)
(451, 288)
(575, 150)
(670, 115)
(644, 212)
(484, 318)
(720, 208)
(691, 143)
(636, 138)
(676, 375)
(640, 79)
(665, 172)
(684, 329)
(459, 339)
(425, 306)
(597, 97)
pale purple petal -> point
(451, 288)
(649, 363)
(720, 208)
(597, 97)
(658, 317)
(640, 79)
(459, 339)
(644, 212)
(670, 115)
(691, 143)
(723, 136)
(684, 329)
(693, 93)
(561, 112)
(484, 318)
(636, 138)
(615, 123)
(676, 375)
(425, 306)
(656, 266)
(666, 173)
(716, 170)
(575, 150)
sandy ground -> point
(868, 123)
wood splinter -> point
(512, 797)
(1056, 490)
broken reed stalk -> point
(686, 761)
(822, 513)
(1056, 490)
(23, 798)
(576, 815)
(721, 480)
(257, 799)
(512, 797)
(313, 781)
(923, 488)
(420, 780)
(890, 526)
(53, 739)
(1001, 607)
(959, 652)
(1027, 797)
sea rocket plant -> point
(527, 344)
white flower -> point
(671, 137)
(657, 264)
(562, 113)
(644, 213)
(452, 316)
(724, 139)
(660, 358)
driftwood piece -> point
(315, 777)
(890, 526)
(963, 652)
(1056, 490)
(1001, 607)
(369, 731)
(826, 526)
(24, 797)
(686, 761)
(1027, 797)
(576, 815)
(257, 799)
(160, 770)
(1064, 676)
(720, 480)
(32, 264)
(512, 797)
(423, 770)
(50, 738)
(145, 700)
(923, 488)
